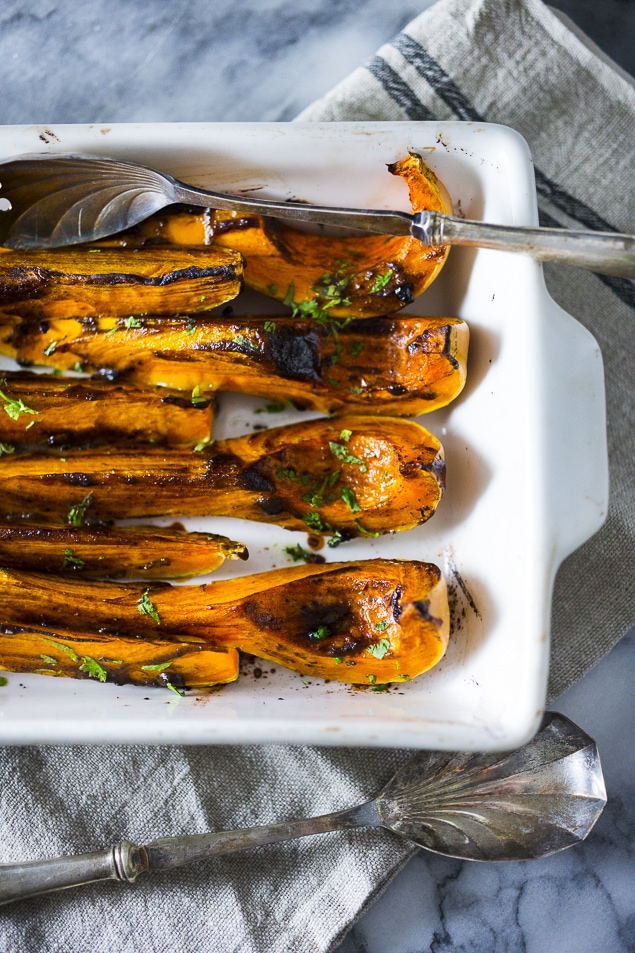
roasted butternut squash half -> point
(61, 653)
(43, 410)
(84, 282)
(397, 364)
(361, 276)
(344, 477)
(114, 552)
(368, 622)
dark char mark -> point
(294, 355)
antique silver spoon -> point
(524, 804)
(49, 201)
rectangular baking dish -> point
(525, 448)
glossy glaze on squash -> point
(396, 364)
(58, 652)
(361, 276)
(344, 476)
(51, 411)
(362, 622)
(114, 552)
(82, 281)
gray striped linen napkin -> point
(508, 61)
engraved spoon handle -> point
(607, 253)
(125, 861)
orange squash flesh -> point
(43, 410)
(345, 476)
(59, 652)
(397, 364)
(365, 622)
(114, 552)
(362, 276)
(85, 282)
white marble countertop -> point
(114, 60)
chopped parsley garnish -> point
(6, 448)
(71, 561)
(77, 513)
(15, 407)
(382, 626)
(242, 341)
(132, 322)
(271, 409)
(173, 688)
(379, 649)
(192, 326)
(198, 397)
(145, 606)
(3, 681)
(338, 660)
(202, 444)
(341, 452)
(270, 326)
(356, 348)
(287, 473)
(299, 554)
(365, 532)
(350, 499)
(160, 667)
(272, 290)
(49, 659)
(111, 332)
(50, 348)
(346, 435)
(93, 669)
(314, 521)
(77, 366)
(320, 633)
(372, 679)
(380, 282)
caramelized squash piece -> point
(344, 477)
(115, 552)
(397, 364)
(83, 282)
(359, 276)
(57, 412)
(376, 620)
(59, 652)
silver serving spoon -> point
(49, 201)
(528, 803)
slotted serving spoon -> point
(49, 201)
(528, 803)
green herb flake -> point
(346, 435)
(287, 473)
(112, 331)
(379, 649)
(241, 340)
(77, 513)
(321, 632)
(192, 326)
(71, 561)
(271, 409)
(160, 667)
(341, 452)
(372, 679)
(201, 445)
(132, 322)
(381, 688)
(198, 397)
(350, 499)
(272, 290)
(93, 669)
(314, 521)
(338, 660)
(298, 554)
(15, 407)
(63, 648)
(270, 326)
(145, 606)
(380, 282)
(173, 688)
(366, 532)
(49, 659)
(3, 681)
(355, 390)
(356, 348)
(77, 366)
(6, 448)
(50, 348)
(382, 626)
(290, 295)
(405, 678)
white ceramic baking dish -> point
(525, 447)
